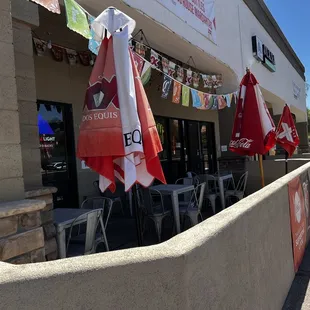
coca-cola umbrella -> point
(118, 136)
(287, 135)
(254, 129)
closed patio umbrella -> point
(254, 129)
(287, 135)
(118, 136)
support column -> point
(25, 17)
(11, 170)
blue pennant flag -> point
(93, 45)
(196, 98)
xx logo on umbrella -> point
(286, 133)
(101, 94)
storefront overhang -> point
(277, 105)
(164, 40)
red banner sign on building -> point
(298, 220)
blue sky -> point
(294, 19)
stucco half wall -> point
(239, 259)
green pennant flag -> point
(146, 73)
(76, 19)
(185, 96)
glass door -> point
(194, 149)
(208, 147)
(58, 167)
(177, 150)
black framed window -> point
(187, 145)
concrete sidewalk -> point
(299, 294)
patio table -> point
(220, 178)
(63, 219)
(174, 190)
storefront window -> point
(57, 152)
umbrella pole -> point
(137, 215)
(261, 168)
(286, 162)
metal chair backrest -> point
(211, 184)
(197, 197)
(185, 181)
(99, 203)
(194, 176)
(241, 186)
(93, 217)
(200, 192)
(148, 197)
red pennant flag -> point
(58, 53)
(85, 58)
(287, 135)
(139, 62)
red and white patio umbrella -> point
(254, 129)
(118, 136)
(287, 135)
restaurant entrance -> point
(58, 166)
(187, 146)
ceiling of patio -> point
(164, 40)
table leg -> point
(61, 243)
(175, 207)
(130, 202)
(222, 194)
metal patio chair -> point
(188, 181)
(103, 203)
(193, 208)
(94, 217)
(194, 176)
(212, 190)
(153, 204)
(239, 192)
(114, 199)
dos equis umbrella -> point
(254, 129)
(118, 137)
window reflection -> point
(52, 139)
(161, 128)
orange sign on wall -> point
(298, 220)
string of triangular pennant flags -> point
(187, 75)
(79, 20)
(60, 53)
(182, 92)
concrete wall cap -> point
(40, 192)
(8, 209)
